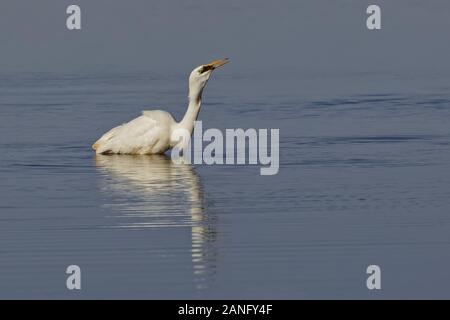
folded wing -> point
(146, 134)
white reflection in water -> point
(153, 192)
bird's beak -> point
(217, 63)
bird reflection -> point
(151, 191)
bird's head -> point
(200, 75)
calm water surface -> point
(364, 179)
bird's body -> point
(152, 132)
(148, 134)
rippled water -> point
(364, 179)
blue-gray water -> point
(364, 179)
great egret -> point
(151, 132)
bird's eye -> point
(204, 69)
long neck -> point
(195, 102)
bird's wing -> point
(135, 137)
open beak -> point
(217, 63)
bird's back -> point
(147, 134)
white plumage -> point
(151, 132)
(147, 134)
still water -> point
(364, 179)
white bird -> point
(151, 133)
